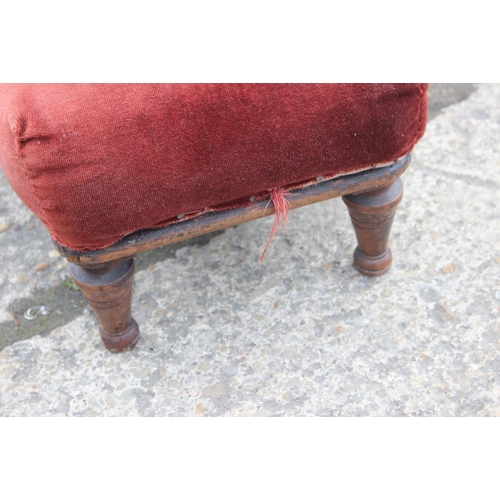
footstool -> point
(114, 170)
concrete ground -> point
(300, 334)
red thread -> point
(281, 208)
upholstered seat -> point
(97, 162)
(113, 170)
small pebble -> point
(41, 266)
(449, 268)
(22, 279)
(444, 309)
(213, 391)
(338, 330)
(4, 226)
(110, 402)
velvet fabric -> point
(98, 161)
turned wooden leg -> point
(108, 290)
(372, 214)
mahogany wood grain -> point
(108, 290)
(372, 214)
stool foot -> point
(108, 290)
(372, 214)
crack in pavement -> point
(469, 179)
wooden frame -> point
(105, 276)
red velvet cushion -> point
(96, 162)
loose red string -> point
(281, 208)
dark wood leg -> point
(372, 214)
(108, 290)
